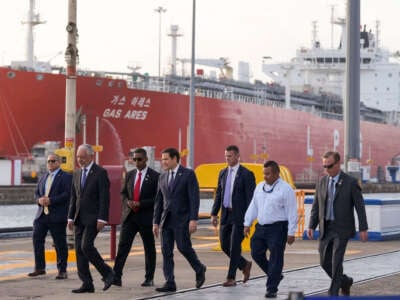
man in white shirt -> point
(274, 206)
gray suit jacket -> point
(347, 197)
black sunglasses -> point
(137, 159)
(51, 161)
(329, 166)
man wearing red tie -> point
(138, 193)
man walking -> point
(336, 196)
(52, 197)
(234, 192)
(88, 214)
(175, 214)
(138, 193)
(275, 207)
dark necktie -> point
(83, 178)
(136, 191)
(171, 181)
(331, 197)
(227, 191)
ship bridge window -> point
(342, 59)
(328, 60)
(320, 59)
(39, 76)
(11, 75)
(366, 60)
(335, 60)
(390, 74)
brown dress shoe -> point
(62, 275)
(37, 273)
(246, 271)
(229, 282)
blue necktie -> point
(331, 197)
(227, 191)
(83, 178)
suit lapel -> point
(131, 184)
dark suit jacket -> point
(242, 193)
(148, 192)
(347, 197)
(60, 193)
(182, 202)
(91, 203)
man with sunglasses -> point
(275, 207)
(336, 196)
(138, 194)
(52, 197)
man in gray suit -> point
(336, 196)
(176, 213)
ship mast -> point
(33, 20)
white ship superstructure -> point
(322, 70)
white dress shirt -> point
(273, 203)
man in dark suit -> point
(88, 214)
(336, 196)
(52, 197)
(176, 213)
(235, 189)
(138, 193)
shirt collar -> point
(88, 167)
(54, 173)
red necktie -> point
(136, 191)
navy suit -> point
(55, 221)
(174, 208)
(87, 206)
(335, 234)
(138, 221)
(231, 224)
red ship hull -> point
(33, 110)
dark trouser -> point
(129, 229)
(86, 252)
(58, 232)
(181, 236)
(231, 237)
(270, 237)
(331, 251)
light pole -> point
(160, 10)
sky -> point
(115, 34)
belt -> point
(275, 223)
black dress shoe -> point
(117, 281)
(168, 287)
(346, 286)
(148, 282)
(37, 273)
(201, 277)
(270, 295)
(62, 275)
(85, 288)
(108, 280)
